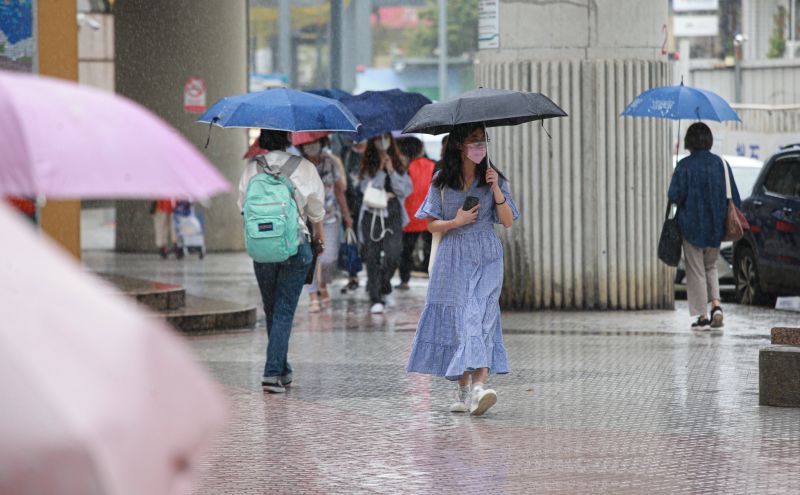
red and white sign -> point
(194, 96)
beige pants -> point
(164, 229)
(702, 280)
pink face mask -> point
(476, 152)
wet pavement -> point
(602, 402)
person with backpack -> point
(278, 192)
(385, 185)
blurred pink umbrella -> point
(98, 396)
(62, 140)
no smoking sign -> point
(194, 96)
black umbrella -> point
(491, 107)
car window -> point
(784, 177)
(745, 178)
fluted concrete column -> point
(159, 46)
(592, 197)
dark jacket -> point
(698, 188)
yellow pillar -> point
(57, 34)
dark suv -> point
(767, 259)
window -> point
(784, 177)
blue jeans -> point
(280, 285)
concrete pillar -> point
(592, 198)
(57, 37)
(159, 46)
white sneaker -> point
(376, 309)
(482, 400)
(462, 399)
(389, 300)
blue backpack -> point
(272, 229)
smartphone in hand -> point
(470, 202)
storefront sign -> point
(695, 25)
(689, 5)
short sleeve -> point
(432, 206)
(506, 194)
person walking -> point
(459, 334)
(385, 185)
(312, 146)
(351, 157)
(164, 227)
(420, 169)
(698, 189)
(280, 284)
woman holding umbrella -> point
(459, 335)
(698, 189)
(385, 185)
(313, 147)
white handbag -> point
(436, 239)
(375, 198)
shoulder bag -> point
(670, 243)
(735, 222)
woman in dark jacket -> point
(698, 189)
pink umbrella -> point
(63, 140)
(98, 396)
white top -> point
(309, 190)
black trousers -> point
(382, 256)
(407, 257)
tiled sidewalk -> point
(596, 403)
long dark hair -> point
(449, 166)
(371, 161)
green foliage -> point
(777, 43)
(462, 29)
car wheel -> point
(748, 290)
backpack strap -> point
(286, 171)
(290, 166)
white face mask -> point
(312, 149)
(383, 143)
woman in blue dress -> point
(459, 335)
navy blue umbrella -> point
(383, 111)
(333, 93)
(282, 110)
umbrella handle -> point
(210, 124)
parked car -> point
(745, 173)
(767, 259)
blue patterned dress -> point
(459, 329)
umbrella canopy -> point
(99, 396)
(281, 110)
(254, 149)
(333, 93)
(681, 102)
(62, 140)
(384, 111)
(491, 107)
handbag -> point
(670, 243)
(436, 238)
(375, 198)
(349, 259)
(735, 222)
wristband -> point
(504, 202)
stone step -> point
(202, 315)
(785, 336)
(157, 296)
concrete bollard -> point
(779, 369)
